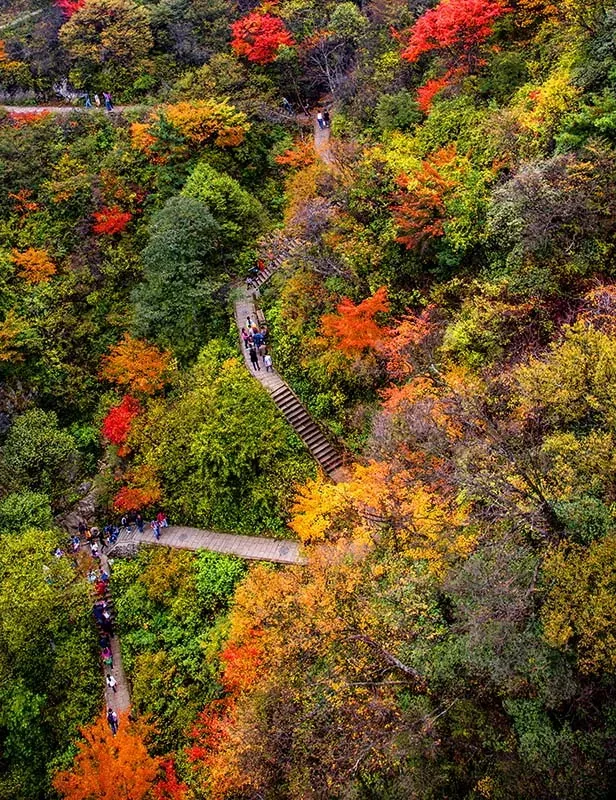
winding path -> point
(254, 548)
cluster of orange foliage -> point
(353, 327)
(419, 210)
(23, 203)
(118, 767)
(136, 365)
(143, 491)
(301, 154)
(35, 266)
(202, 121)
(21, 118)
(109, 767)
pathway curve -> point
(252, 548)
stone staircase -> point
(321, 449)
(274, 250)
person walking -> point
(254, 358)
(140, 523)
(112, 719)
(262, 351)
(245, 337)
(267, 361)
(155, 529)
(326, 118)
(88, 102)
(320, 120)
(108, 103)
(112, 683)
(97, 101)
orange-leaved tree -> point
(353, 327)
(109, 767)
(419, 209)
(136, 365)
(143, 490)
(35, 266)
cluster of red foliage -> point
(111, 220)
(169, 787)
(259, 36)
(427, 92)
(117, 424)
(69, 7)
(353, 326)
(454, 25)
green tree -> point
(222, 453)
(239, 214)
(49, 673)
(39, 455)
(176, 303)
(22, 510)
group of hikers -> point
(255, 341)
(97, 100)
(323, 119)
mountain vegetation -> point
(447, 315)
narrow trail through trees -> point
(329, 458)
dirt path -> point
(322, 144)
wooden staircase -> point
(321, 449)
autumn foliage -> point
(455, 27)
(117, 424)
(259, 36)
(35, 266)
(109, 767)
(142, 491)
(136, 365)
(419, 210)
(69, 7)
(202, 121)
(353, 327)
(111, 220)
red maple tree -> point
(69, 7)
(259, 36)
(110, 220)
(353, 326)
(455, 26)
(116, 425)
